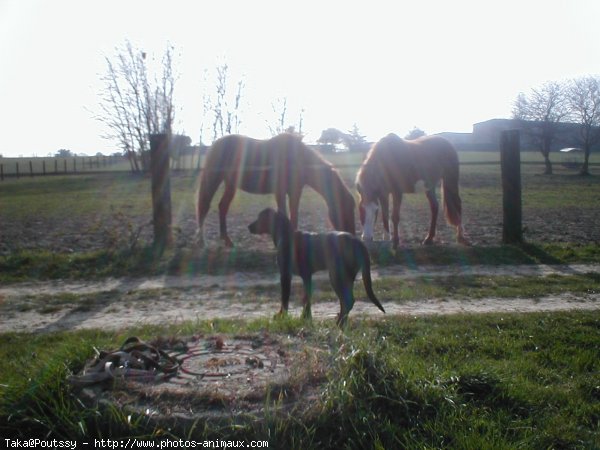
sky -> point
(384, 66)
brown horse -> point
(282, 165)
(393, 166)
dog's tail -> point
(366, 275)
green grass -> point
(466, 381)
(487, 381)
(45, 265)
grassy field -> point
(465, 381)
(99, 224)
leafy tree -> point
(63, 153)
(584, 104)
(544, 107)
(414, 133)
(355, 141)
(331, 136)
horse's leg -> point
(280, 199)
(294, 206)
(308, 289)
(434, 207)
(223, 209)
(396, 202)
(385, 215)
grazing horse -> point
(393, 166)
(282, 165)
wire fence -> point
(36, 166)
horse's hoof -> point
(463, 241)
(306, 315)
(280, 314)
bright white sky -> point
(385, 65)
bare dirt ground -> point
(116, 303)
(119, 303)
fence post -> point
(161, 191)
(510, 162)
(65, 164)
(30, 168)
(1, 172)
(17, 170)
(55, 165)
(44, 167)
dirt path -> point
(119, 303)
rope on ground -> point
(135, 360)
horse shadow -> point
(411, 257)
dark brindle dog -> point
(300, 253)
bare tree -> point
(133, 106)
(281, 124)
(544, 107)
(279, 107)
(224, 109)
(584, 103)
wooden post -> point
(43, 167)
(55, 165)
(510, 162)
(161, 191)
(30, 168)
(17, 170)
(1, 172)
(65, 164)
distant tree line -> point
(137, 101)
(575, 101)
(353, 140)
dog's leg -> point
(308, 288)
(343, 286)
(286, 289)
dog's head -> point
(268, 222)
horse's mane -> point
(372, 156)
(312, 156)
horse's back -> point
(258, 166)
(436, 146)
(401, 163)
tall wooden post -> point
(510, 162)
(161, 191)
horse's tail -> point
(366, 274)
(210, 178)
(452, 201)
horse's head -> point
(343, 218)
(342, 214)
(367, 207)
(341, 204)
